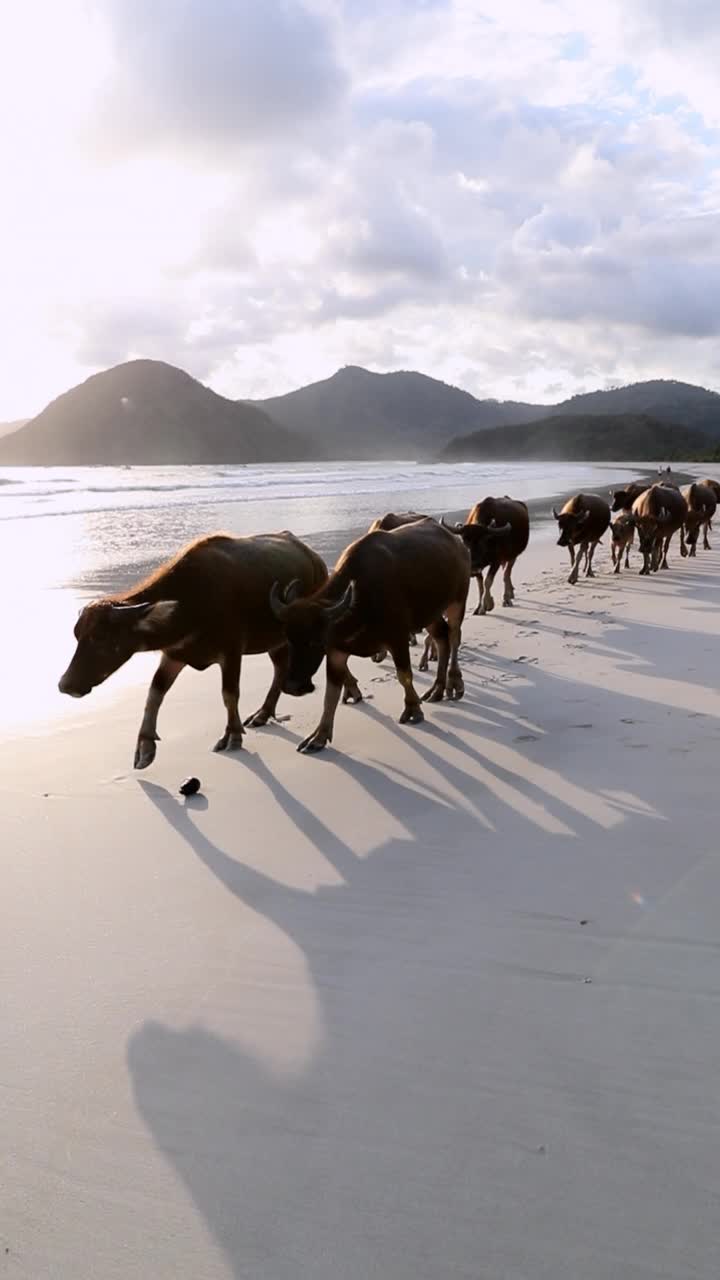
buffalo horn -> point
(137, 610)
(497, 530)
(555, 514)
(277, 604)
(293, 591)
(334, 612)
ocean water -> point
(68, 534)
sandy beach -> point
(439, 1003)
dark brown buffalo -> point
(393, 520)
(622, 499)
(386, 585)
(495, 533)
(658, 514)
(701, 506)
(210, 604)
(582, 522)
(623, 535)
(711, 484)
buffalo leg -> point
(163, 680)
(440, 632)
(706, 540)
(335, 675)
(508, 588)
(454, 684)
(576, 555)
(351, 688)
(627, 555)
(412, 712)
(683, 547)
(589, 571)
(232, 737)
(488, 602)
(427, 653)
(617, 555)
(380, 656)
(666, 547)
(480, 608)
(279, 659)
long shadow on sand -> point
(448, 970)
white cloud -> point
(520, 195)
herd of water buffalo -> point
(224, 597)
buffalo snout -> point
(72, 687)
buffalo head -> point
(570, 525)
(483, 541)
(107, 635)
(307, 625)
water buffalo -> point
(393, 520)
(711, 484)
(496, 532)
(622, 499)
(210, 604)
(623, 535)
(582, 522)
(658, 514)
(384, 586)
(701, 505)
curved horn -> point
(498, 529)
(555, 514)
(292, 592)
(137, 610)
(277, 604)
(334, 612)
(454, 528)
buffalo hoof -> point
(573, 579)
(508, 602)
(488, 605)
(423, 664)
(380, 657)
(144, 753)
(455, 688)
(316, 741)
(412, 715)
(590, 573)
(435, 693)
(352, 695)
(229, 742)
(256, 720)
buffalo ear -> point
(156, 616)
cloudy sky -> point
(519, 196)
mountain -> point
(589, 437)
(7, 427)
(147, 411)
(669, 401)
(359, 414)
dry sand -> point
(440, 1003)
